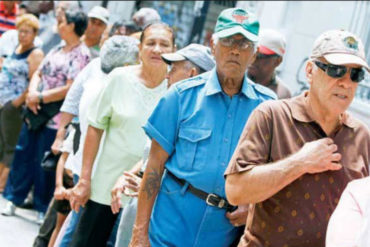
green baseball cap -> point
(237, 20)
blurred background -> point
(300, 21)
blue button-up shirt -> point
(199, 126)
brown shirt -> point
(298, 214)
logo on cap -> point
(351, 43)
(240, 16)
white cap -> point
(340, 47)
(271, 42)
(100, 13)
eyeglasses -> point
(338, 71)
(243, 44)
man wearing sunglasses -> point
(296, 156)
(271, 49)
(195, 129)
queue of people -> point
(155, 146)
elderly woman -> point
(116, 52)
(50, 83)
(122, 107)
(17, 70)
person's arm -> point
(148, 192)
(80, 194)
(263, 181)
(59, 188)
(33, 102)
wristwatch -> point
(41, 98)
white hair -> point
(117, 51)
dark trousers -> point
(26, 169)
(47, 227)
(95, 226)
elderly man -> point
(271, 49)
(98, 21)
(296, 156)
(194, 130)
(188, 62)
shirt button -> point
(226, 140)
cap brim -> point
(343, 59)
(237, 30)
(172, 57)
(98, 17)
(266, 51)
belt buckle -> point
(220, 204)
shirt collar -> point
(213, 86)
(302, 112)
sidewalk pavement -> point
(19, 230)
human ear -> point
(309, 70)
(212, 44)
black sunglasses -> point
(338, 71)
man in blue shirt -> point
(195, 129)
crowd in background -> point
(93, 121)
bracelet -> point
(41, 98)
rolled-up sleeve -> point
(100, 112)
(164, 121)
(254, 144)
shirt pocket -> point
(191, 150)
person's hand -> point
(239, 216)
(80, 194)
(59, 192)
(57, 145)
(132, 183)
(139, 238)
(128, 181)
(67, 194)
(32, 101)
(318, 156)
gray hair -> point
(117, 51)
(146, 16)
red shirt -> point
(7, 19)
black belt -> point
(211, 199)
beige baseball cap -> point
(271, 42)
(340, 47)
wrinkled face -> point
(263, 67)
(95, 28)
(157, 40)
(179, 71)
(232, 61)
(333, 94)
(26, 34)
